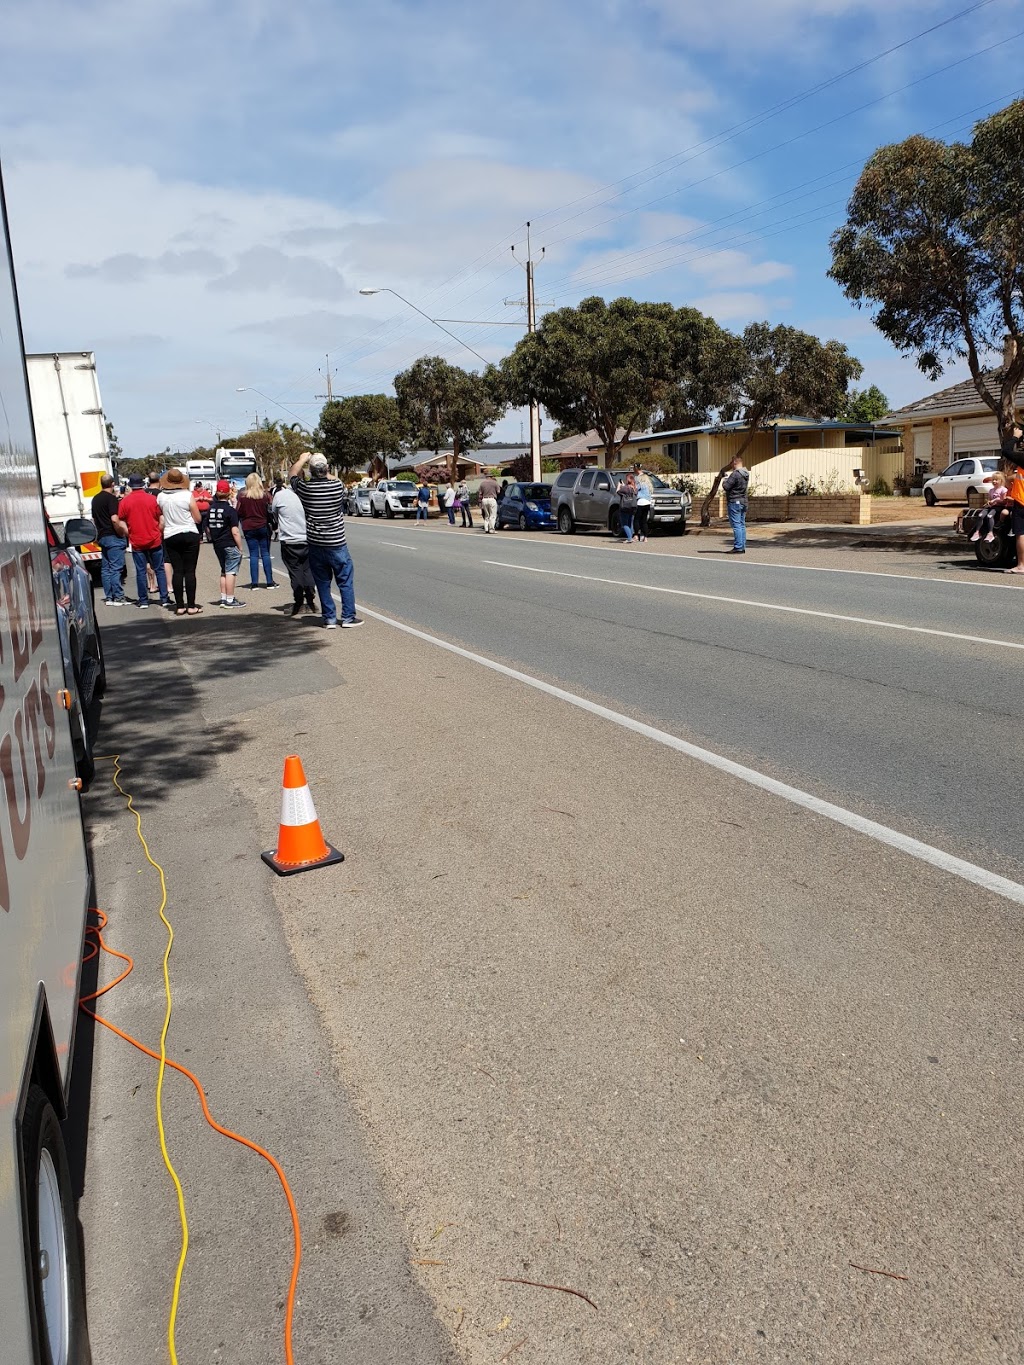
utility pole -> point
(329, 395)
(531, 327)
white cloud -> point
(735, 307)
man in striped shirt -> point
(323, 501)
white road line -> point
(396, 544)
(914, 848)
(992, 579)
(763, 606)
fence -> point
(830, 468)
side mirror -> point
(79, 531)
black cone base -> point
(290, 869)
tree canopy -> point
(615, 367)
(359, 429)
(864, 405)
(442, 405)
(934, 245)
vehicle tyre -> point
(680, 529)
(1000, 553)
(929, 497)
(373, 510)
(81, 740)
(522, 521)
(565, 521)
(389, 512)
(101, 661)
(614, 524)
(57, 1286)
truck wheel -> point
(1000, 553)
(81, 740)
(565, 522)
(57, 1280)
(680, 530)
(388, 513)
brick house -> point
(947, 424)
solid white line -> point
(764, 606)
(993, 578)
(914, 848)
(396, 544)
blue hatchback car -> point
(527, 507)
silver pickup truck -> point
(587, 498)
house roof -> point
(576, 445)
(781, 423)
(956, 401)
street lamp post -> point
(383, 289)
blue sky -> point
(199, 188)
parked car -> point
(393, 498)
(79, 635)
(587, 498)
(959, 480)
(361, 498)
(526, 506)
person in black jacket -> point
(734, 486)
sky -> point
(198, 189)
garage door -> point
(975, 433)
(922, 448)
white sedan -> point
(958, 480)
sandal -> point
(179, 611)
(193, 611)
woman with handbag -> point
(627, 506)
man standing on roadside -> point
(226, 538)
(291, 529)
(323, 501)
(111, 542)
(138, 519)
(489, 502)
(734, 486)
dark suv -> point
(587, 498)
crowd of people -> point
(163, 522)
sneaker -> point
(352, 622)
(234, 602)
(330, 625)
(271, 585)
(143, 606)
(296, 608)
(736, 551)
(990, 537)
(117, 601)
(976, 536)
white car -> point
(361, 501)
(958, 480)
(393, 498)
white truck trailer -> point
(71, 434)
(44, 895)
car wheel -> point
(81, 740)
(565, 521)
(522, 521)
(614, 522)
(1000, 553)
(58, 1282)
(929, 497)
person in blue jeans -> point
(735, 486)
(111, 543)
(253, 507)
(323, 501)
(422, 501)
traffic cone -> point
(300, 844)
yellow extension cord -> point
(176, 1295)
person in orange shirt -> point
(1015, 497)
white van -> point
(200, 471)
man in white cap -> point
(323, 501)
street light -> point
(249, 388)
(383, 289)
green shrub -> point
(880, 489)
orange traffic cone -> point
(300, 844)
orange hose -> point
(95, 943)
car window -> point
(965, 467)
(603, 481)
(990, 466)
(949, 470)
(587, 480)
(513, 494)
(536, 491)
(566, 477)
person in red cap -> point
(226, 539)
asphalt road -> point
(577, 1009)
(765, 664)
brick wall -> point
(846, 509)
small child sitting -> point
(995, 506)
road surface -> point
(580, 1008)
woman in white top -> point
(181, 539)
(644, 498)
